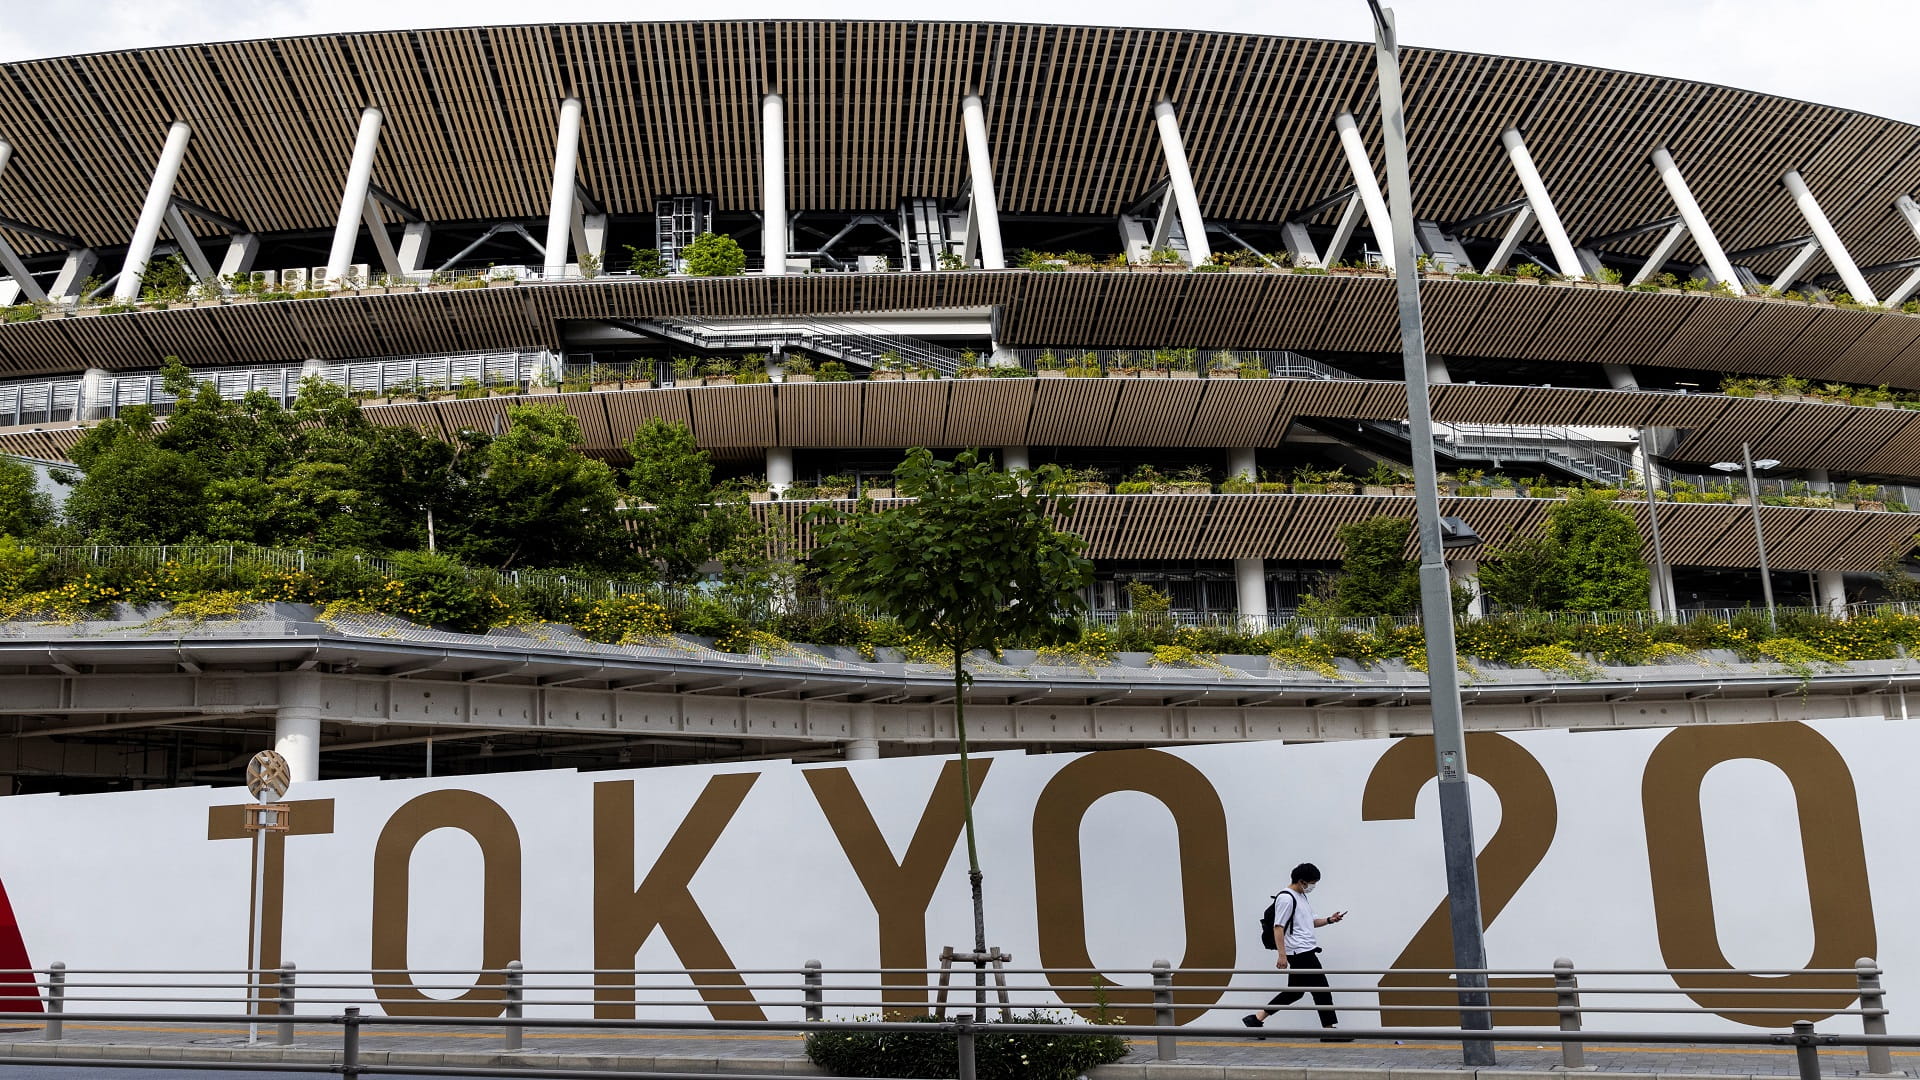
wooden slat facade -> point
(873, 116)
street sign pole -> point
(1436, 593)
(268, 777)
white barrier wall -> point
(1767, 846)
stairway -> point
(833, 341)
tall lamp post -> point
(1753, 503)
(1436, 594)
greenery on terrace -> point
(237, 502)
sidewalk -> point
(1282, 1057)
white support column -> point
(773, 185)
(1300, 244)
(353, 197)
(9, 259)
(1904, 291)
(1832, 586)
(1509, 241)
(1163, 224)
(985, 210)
(414, 240)
(779, 468)
(1467, 572)
(1822, 230)
(1250, 585)
(1796, 265)
(1343, 227)
(1015, 458)
(1541, 203)
(241, 252)
(197, 263)
(153, 212)
(1660, 584)
(1620, 377)
(1437, 372)
(1662, 252)
(376, 225)
(1366, 185)
(566, 161)
(296, 736)
(865, 744)
(1695, 220)
(1180, 179)
(74, 273)
(1243, 462)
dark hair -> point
(1306, 871)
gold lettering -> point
(899, 892)
(489, 825)
(624, 917)
(1205, 879)
(1832, 850)
(305, 817)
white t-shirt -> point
(1300, 938)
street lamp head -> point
(1766, 463)
(1725, 466)
(1456, 533)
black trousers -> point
(1297, 977)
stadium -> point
(1151, 257)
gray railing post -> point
(285, 1037)
(350, 1042)
(516, 1004)
(1167, 1044)
(963, 1046)
(1806, 1050)
(811, 976)
(56, 998)
(1573, 1055)
(1873, 1015)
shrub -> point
(439, 590)
(712, 255)
(1376, 577)
(623, 620)
(996, 1056)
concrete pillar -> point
(566, 161)
(773, 185)
(1243, 462)
(1015, 458)
(353, 196)
(1250, 582)
(1541, 202)
(153, 212)
(1468, 572)
(1662, 252)
(1832, 586)
(96, 394)
(1822, 230)
(779, 468)
(296, 726)
(73, 274)
(1620, 377)
(241, 252)
(1180, 179)
(865, 744)
(383, 249)
(10, 263)
(1695, 220)
(986, 210)
(1509, 241)
(1909, 210)
(414, 240)
(1367, 186)
(1437, 369)
(1660, 583)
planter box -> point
(759, 496)
(1376, 489)
(1183, 374)
(501, 283)
(1309, 489)
(1505, 493)
(1050, 373)
(718, 380)
(888, 376)
(53, 313)
(1153, 374)
(1272, 488)
(636, 384)
(542, 391)
(208, 303)
(796, 378)
(375, 401)
(879, 493)
(1403, 489)
(1183, 487)
(1091, 488)
(603, 387)
(1123, 374)
(1341, 487)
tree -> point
(538, 500)
(1529, 573)
(133, 491)
(1376, 577)
(24, 508)
(682, 523)
(1600, 553)
(711, 255)
(972, 563)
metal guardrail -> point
(267, 997)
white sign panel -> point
(1718, 847)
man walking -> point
(1299, 949)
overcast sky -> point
(1856, 54)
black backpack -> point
(1266, 922)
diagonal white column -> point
(986, 212)
(1822, 230)
(1911, 211)
(1180, 178)
(382, 241)
(1509, 241)
(153, 212)
(1796, 265)
(190, 250)
(353, 198)
(1366, 185)
(9, 259)
(1662, 252)
(773, 185)
(1696, 221)
(1541, 202)
(566, 163)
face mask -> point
(1308, 887)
